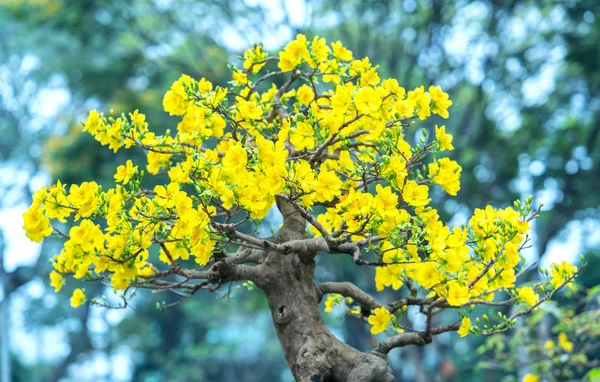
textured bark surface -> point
(312, 351)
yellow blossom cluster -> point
(333, 139)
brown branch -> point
(413, 338)
(315, 157)
(347, 289)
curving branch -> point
(347, 289)
(412, 338)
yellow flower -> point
(405, 109)
(235, 158)
(56, 205)
(249, 109)
(549, 344)
(320, 51)
(414, 194)
(446, 173)
(369, 77)
(176, 101)
(120, 280)
(379, 320)
(528, 296)
(179, 174)
(115, 139)
(392, 86)
(464, 327)
(293, 54)
(427, 274)
(36, 225)
(124, 173)
(561, 273)
(367, 100)
(56, 281)
(342, 99)
(564, 343)
(388, 276)
(84, 198)
(359, 66)
(165, 196)
(156, 161)
(340, 52)
(440, 101)
(305, 94)
(444, 139)
(327, 186)
(457, 295)
(254, 58)
(93, 123)
(420, 101)
(77, 298)
(205, 86)
(202, 252)
(385, 201)
(531, 378)
(332, 301)
(239, 78)
(302, 137)
(88, 235)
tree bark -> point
(311, 350)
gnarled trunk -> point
(311, 350)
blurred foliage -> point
(559, 342)
(524, 76)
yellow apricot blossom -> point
(293, 54)
(84, 198)
(254, 58)
(93, 123)
(531, 378)
(440, 101)
(367, 100)
(465, 327)
(379, 320)
(249, 109)
(340, 52)
(327, 186)
(124, 173)
(564, 342)
(302, 137)
(176, 100)
(78, 298)
(445, 140)
(561, 273)
(305, 94)
(528, 296)
(446, 173)
(414, 194)
(56, 281)
(457, 294)
(36, 225)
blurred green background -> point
(524, 77)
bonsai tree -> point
(328, 144)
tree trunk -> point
(311, 350)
